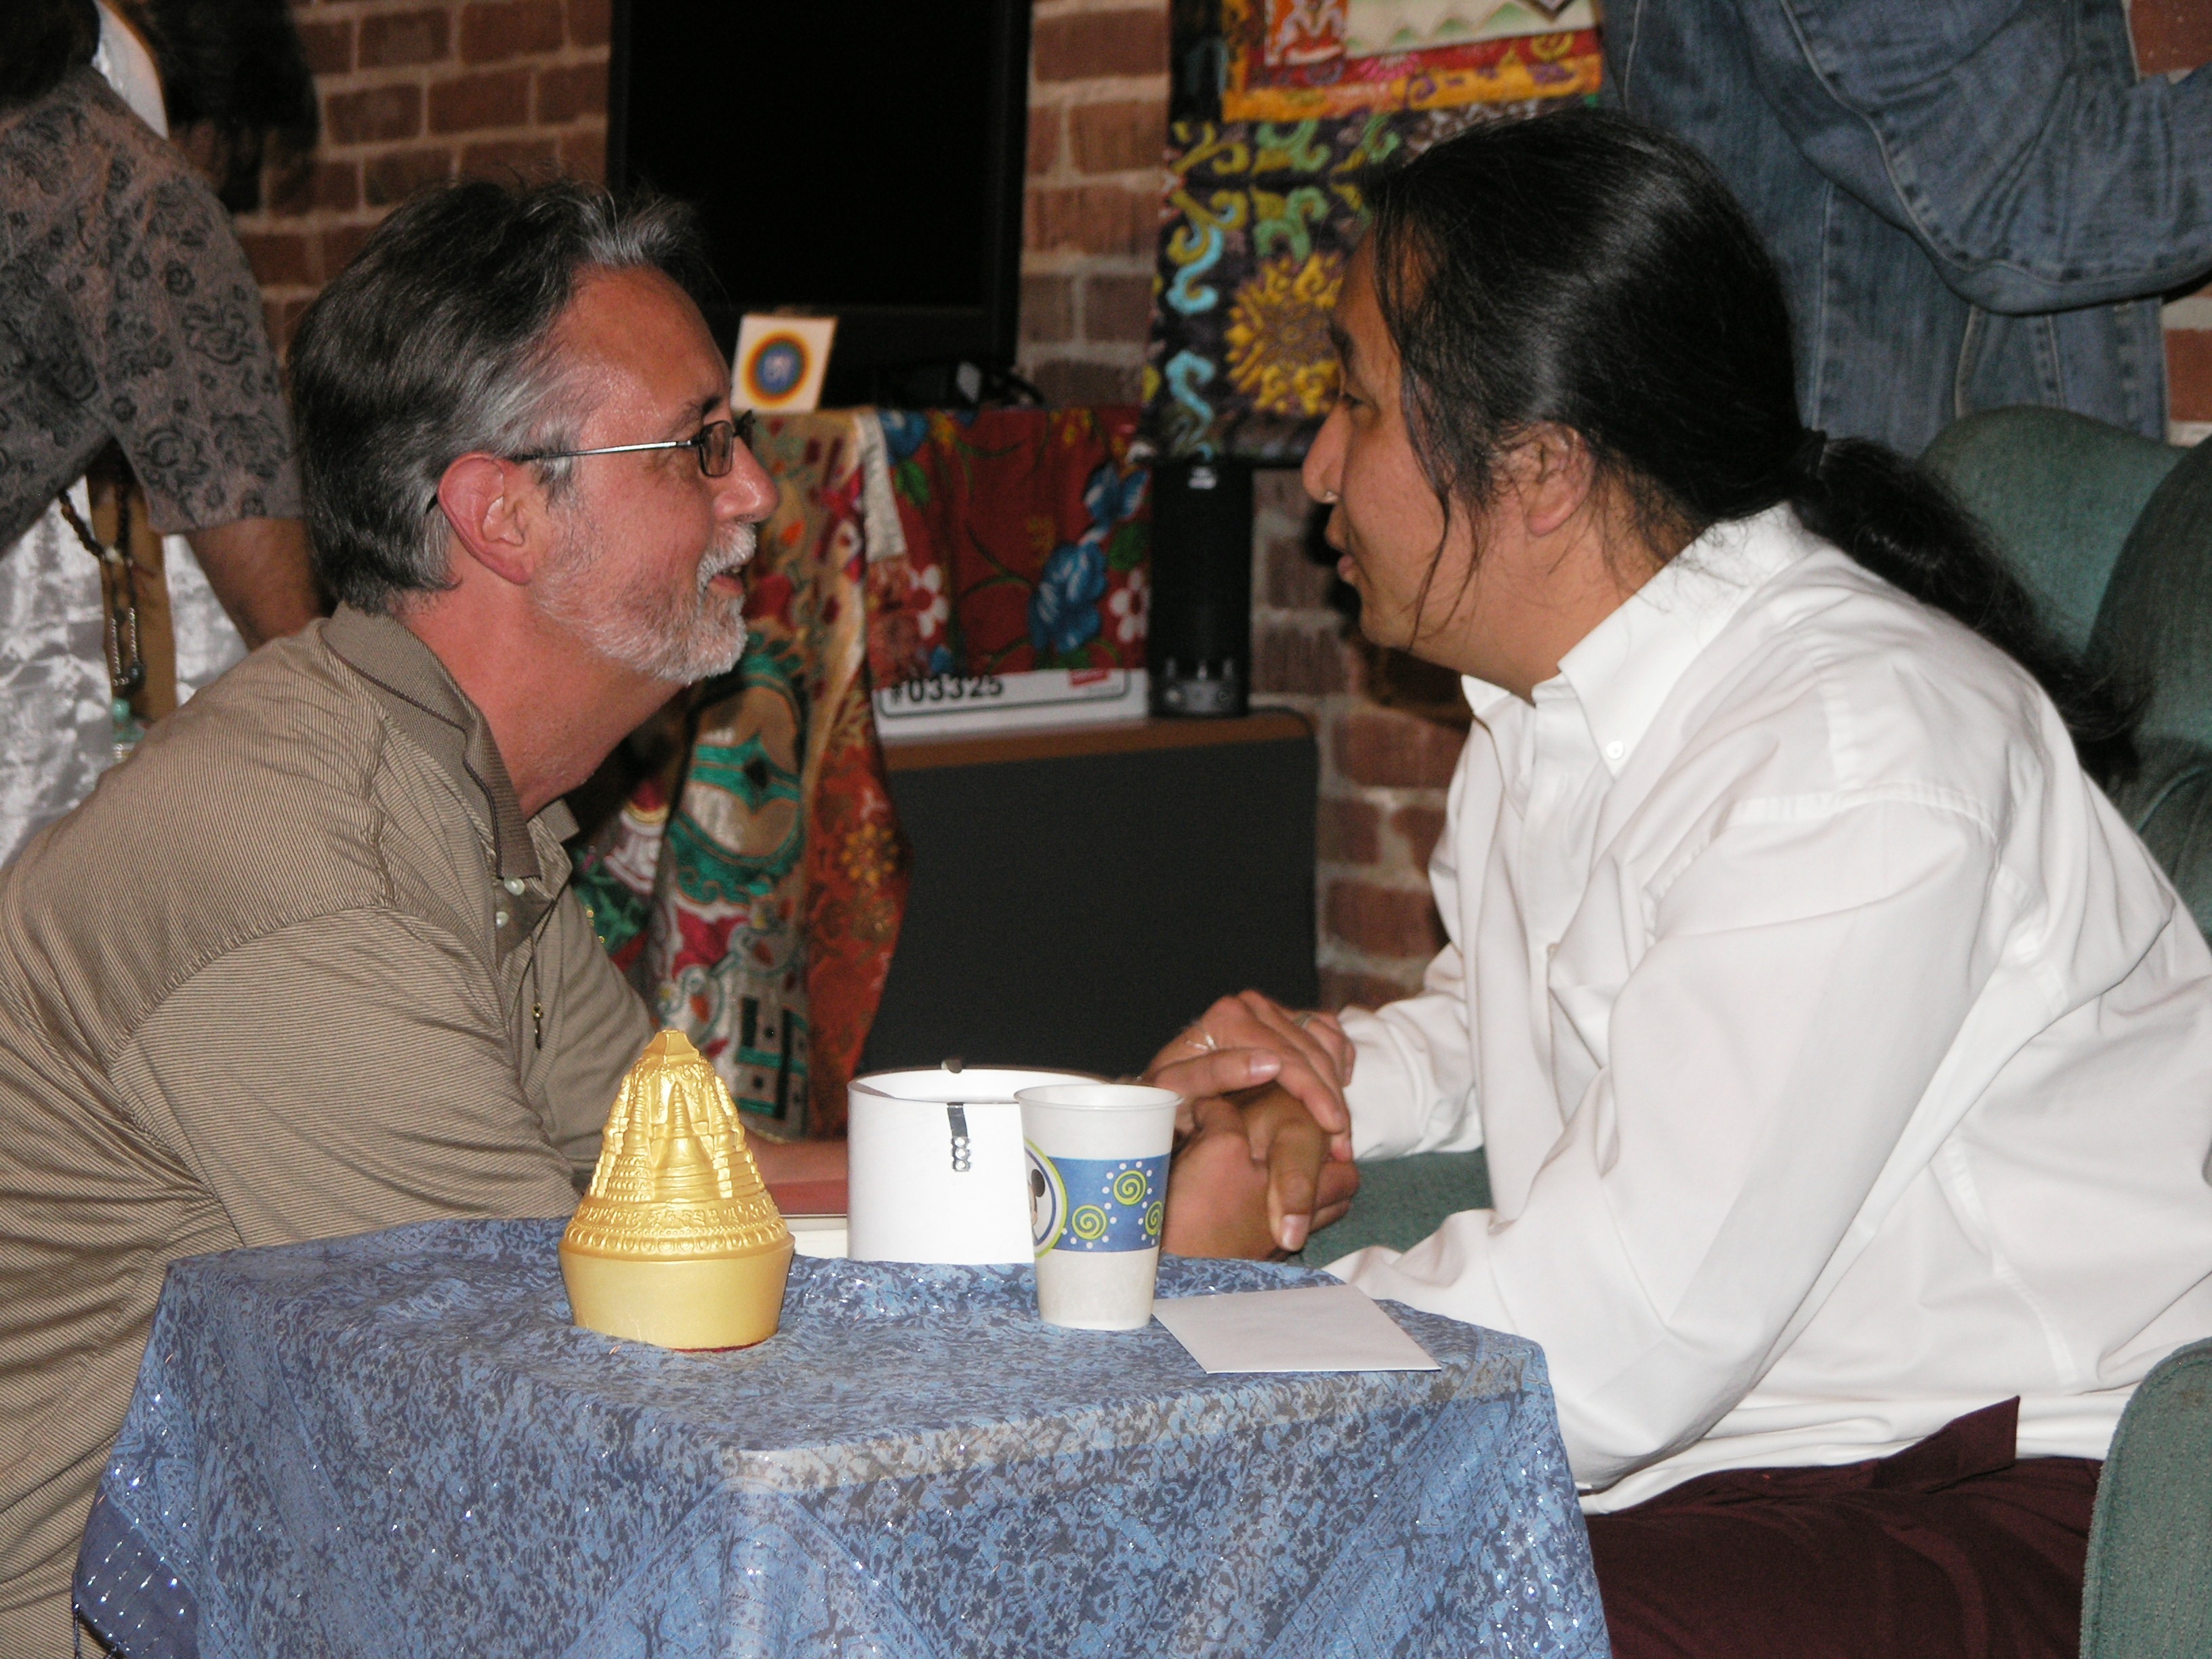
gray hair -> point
(436, 341)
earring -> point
(1329, 497)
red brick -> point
(509, 159)
(307, 186)
(1342, 989)
(1101, 43)
(392, 178)
(1048, 309)
(379, 115)
(406, 37)
(1295, 661)
(1348, 831)
(328, 46)
(584, 154)
(2171, 35)
(1394, 751)
(279, 258)
(574, 89)
(1117, 308)
(1091, 219)
(470, 103)
(1418, 826)
(339, 244)
(1384, 921)
(1044, 140)
(1117, 137)
(1086, 386)
(2189, 373)
(496, 31)
(591, 22)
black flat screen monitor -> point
(859, 159)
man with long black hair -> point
(1843, 1060)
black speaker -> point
(1201, 650)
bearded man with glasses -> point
(308, 964)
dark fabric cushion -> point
(1402, 1200)
(2156, 619)
(2148, 1594)
(2059, 492)
(2169, 802)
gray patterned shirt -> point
(127, 311)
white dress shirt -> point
(1844, 1061)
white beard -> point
(674, 637)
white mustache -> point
(743, 543)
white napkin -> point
(1315, 1327)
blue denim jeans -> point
(1973, 203)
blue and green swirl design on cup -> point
(1090, 1204)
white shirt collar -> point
(1622, 669)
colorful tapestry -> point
(753, 892)
(1256, 225)
(1376, 28)
(1294, 60)
(1027, 535)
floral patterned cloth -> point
(1288, 61)
(753, 890)
(1027, 532)
(1257, 222)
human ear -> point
(496, 515)
(1553, 472)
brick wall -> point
(1098, 99)
(417, 90)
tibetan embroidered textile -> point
(1291, 60)
(1256, 225)
(753, 889)
(1026, 533)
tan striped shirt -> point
(299, 968)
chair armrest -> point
(2147, 1593)
(1402, 1200)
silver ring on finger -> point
(1203, 1041)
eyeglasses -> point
(716, 446)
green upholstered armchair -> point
(2113, 533)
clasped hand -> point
(1264, 1147)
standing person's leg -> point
(1951, 1549)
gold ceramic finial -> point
(677, 1242)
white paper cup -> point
(1098, 1189)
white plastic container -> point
(936, 1169)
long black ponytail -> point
(1586, 270)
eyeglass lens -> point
(717, 444)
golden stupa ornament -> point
(677, 1242)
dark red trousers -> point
(1951, 1549)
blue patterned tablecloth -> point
(398, 1444)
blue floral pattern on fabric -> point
(1064, 609)
(399, 1443)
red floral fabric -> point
(1028, 540)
